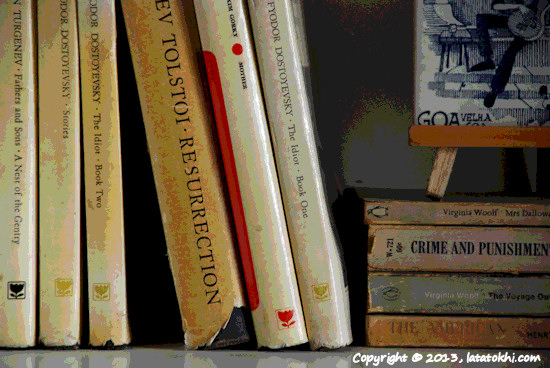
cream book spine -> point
(458, 248)
(250, 168)
(18, 184)
(59, 174)
(316, 251)
(188, 171)
(107, 302)
(394, 212)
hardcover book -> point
(250, 168)
(482, 63)
(458, 248)
(315, 247)
(108, 312)
(457, 331)
(18, 184)
(395, 212)
(187, 170)
(423, 293)
(59, 173)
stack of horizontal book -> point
(460, 273)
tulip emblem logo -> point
(63, 287)
(284, 317)
(16, 290)
(321, 292)
(102, 292)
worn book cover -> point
(458, 248)
(457, 331)
(187, 169)
(59, 173)
(457, 293)
(108, 311)
(484, 63)
(379, 211)
(18, 184)
(315, 247)
(250, 167)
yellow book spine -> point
(17, 174)
(186, 166)
(107, 302)
(59, 173)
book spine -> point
(18, 185)
(456, 213)
(458, 248)
(186, 167)
(108, 312)
(59, 173)
(458, 294)
(250, 168)
(457, 331)
(319, 264)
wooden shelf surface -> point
(478, 136)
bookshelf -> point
(351, 85)
(362, 110)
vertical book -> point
(250, 168)
(59, 173)
(315, 247)
(108, 312)
(18, 184)
(187, 170)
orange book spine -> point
(454, 331)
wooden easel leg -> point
(441, 172)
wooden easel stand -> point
(449, 138)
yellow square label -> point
(63, 287)
(321, 292)
(101, 292)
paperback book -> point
(59, 173)
(457, 331)
(466, 212)
(187, 170)
(455, 293)
(251, 175)
(18, 184)
(458, 248)
(107, 302)
(314, 244)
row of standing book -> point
(463, 272)
(239, 186)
